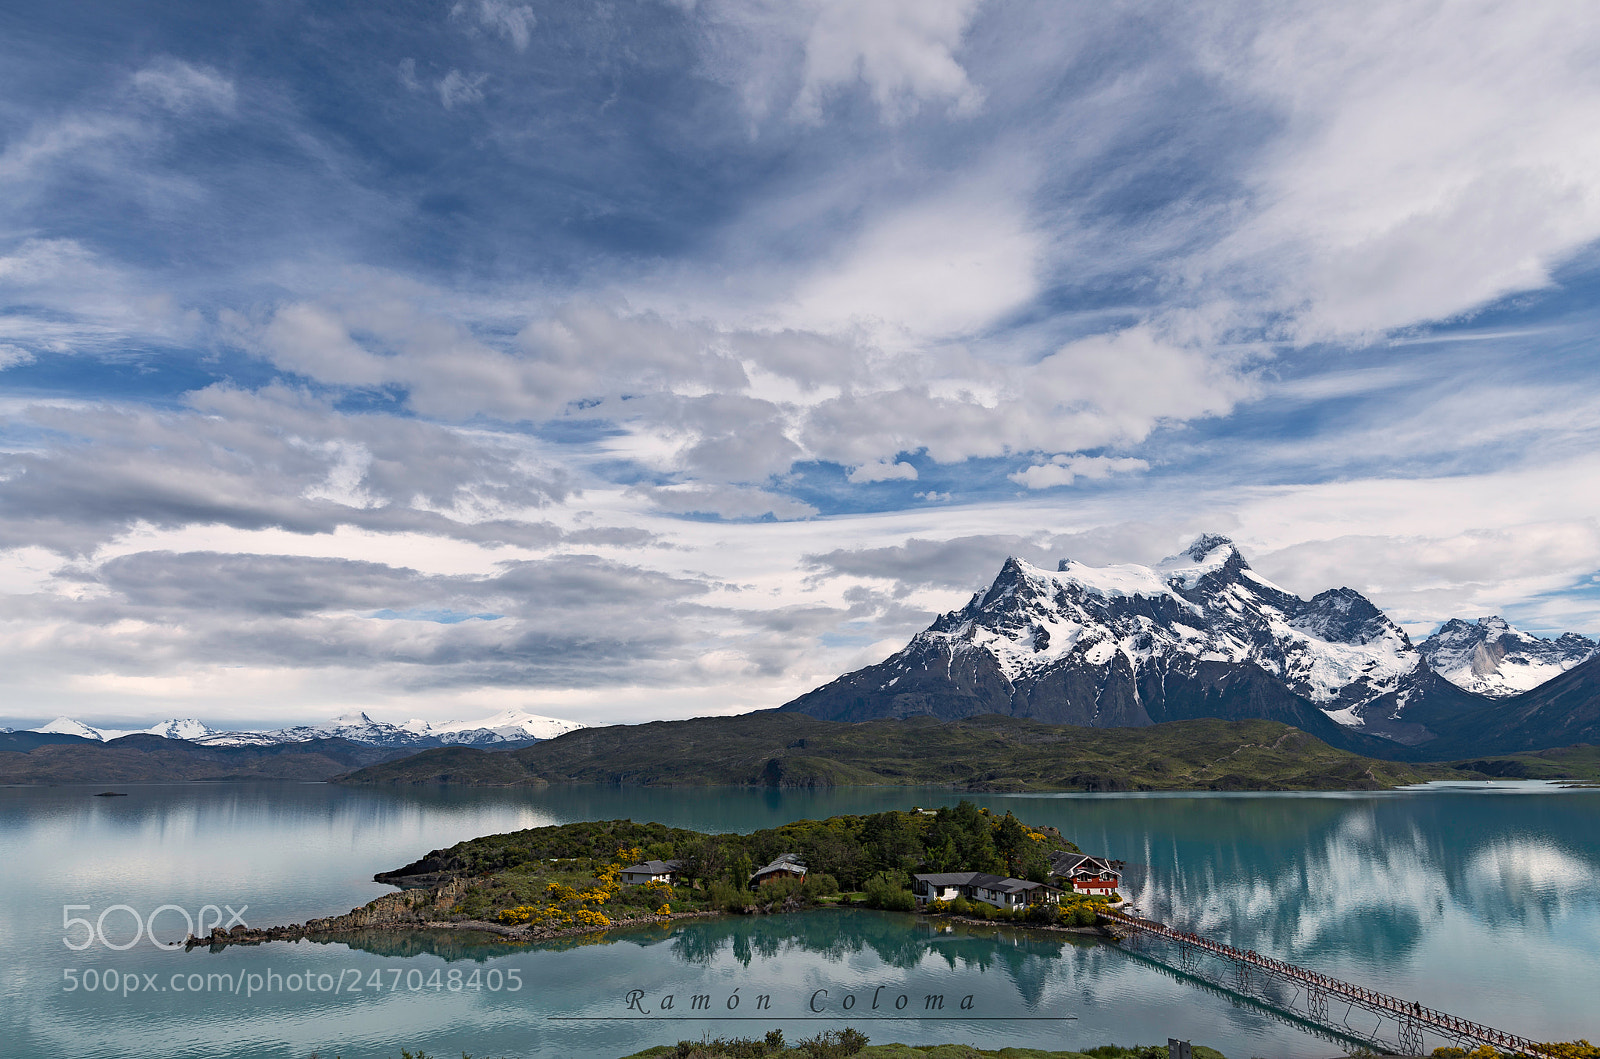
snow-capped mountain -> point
(1198, 635)
(67, 726)
(356, 727)
(509, 726)
(180, 728)
(1490, 657)
(175, 728)
(506, 726)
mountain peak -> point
(1210, 554)
(1492, 657)
(68, 726)
(1207, 543)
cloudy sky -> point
(653, 358)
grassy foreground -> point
(977, 754)
(850, 1045)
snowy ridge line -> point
(504, 727)
(1205, 604)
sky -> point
(633, 360)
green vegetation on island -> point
(976, 754)
(568, 879)
(567, 875)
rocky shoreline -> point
(413, 910)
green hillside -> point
(990, 753)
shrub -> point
(833, 1044)
(664, 910)
(821, 884)
(961, 907)
(884, 890)
(1043, 913)
(726, 898)
(519, 914)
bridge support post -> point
(1410, 1035)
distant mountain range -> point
(1203, 635)
(507, 727)
(57, 757)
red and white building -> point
(1086, 874)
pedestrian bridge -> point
(1315, 994)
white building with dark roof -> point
(997, 890)
(651, 871)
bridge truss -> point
(1316, 999)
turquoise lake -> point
(1481, 900)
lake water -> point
(1478, 900)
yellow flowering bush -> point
(588, 917)
(547, 916)
(519, 914)
(664, 910)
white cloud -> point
(458, 89)
(407, 72)
(1093, 392)
(902, 51)
(514, 22)
(1432, 157)
(68, 298)
(728, 501)
(883, 471)
(947, 264)
(180, 87)
(310, 340)
(1064, 470)
(63, 139)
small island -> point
(580, 878)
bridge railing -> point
(1439, 1021)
